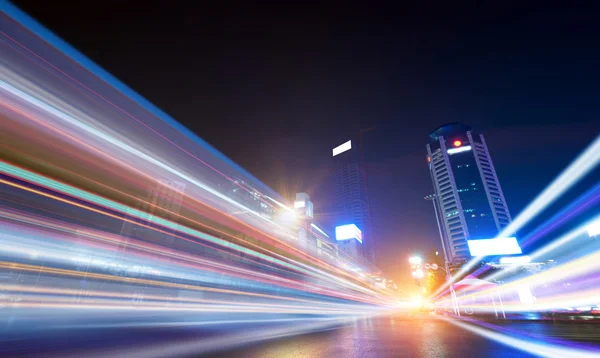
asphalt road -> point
(387, 336)
(402, 336)
(381, 337)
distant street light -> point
(415, 260)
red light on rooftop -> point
(457, 143)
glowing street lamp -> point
(415, 260)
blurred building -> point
(316, 240)
(468, 199)
(351, 204)
(164, 201)
(251, 198)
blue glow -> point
(348, 232)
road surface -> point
(386, 336)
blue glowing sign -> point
(348, 232)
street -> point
(386, 336)
(262, 181)
(402, 336)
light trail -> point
(587, 161)
(115, 216)
(540, 349)
(584, 202)
(575, 283)
(21, 174)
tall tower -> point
(468, 199)
(351, 203)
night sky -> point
(276, 87)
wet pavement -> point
(403, 336)
(385, 336)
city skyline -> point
(402, 93)
(209, 180)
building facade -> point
(316, 240)
(351, 201)
(468, 200)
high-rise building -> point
(316, 240)
(351, 202)
(468, 200)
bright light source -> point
(500, 246)
(525, 295)
(437, 253)
(515, 260)
(466, 148)
(299, 204)
(419, 274)
(457, 143)
(415, 260)
(288, 217)
(593, 229)
(348, 232)
(342, 148)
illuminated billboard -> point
(342, 148)
(466, 148)
(492, 247)
(348, 232)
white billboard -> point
(342, 148)
(348, 232)
(466, 148)
(492, 247)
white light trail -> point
(537, 349)
(583, 164)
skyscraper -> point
(351, 204)
(468, 200)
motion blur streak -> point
(586, 201)
(114, 216)
(581, 166)
(541, 349)
(227, 340)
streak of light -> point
(542, 349)
(581, 166)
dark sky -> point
(276, 87)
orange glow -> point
(457, 143)
(428, 159)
